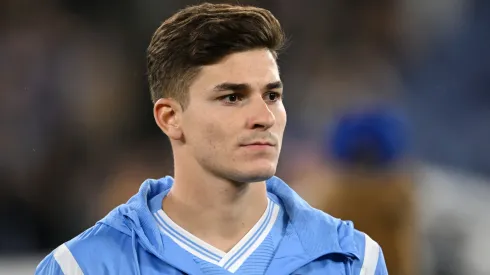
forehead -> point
(257, 68)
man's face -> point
(235, 120)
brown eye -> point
(232, 98)
(273, 96)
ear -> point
(168, 116)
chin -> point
(257, 174)
(260, 178)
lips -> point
(260, 143)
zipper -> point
(349, 266)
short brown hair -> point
(203, 35)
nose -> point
(260, 115)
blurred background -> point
(388, 108)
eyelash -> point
(279, 96)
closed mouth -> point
(259, 144)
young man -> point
(218, 97)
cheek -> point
(212, 134)
(281, 117)
(204, 131)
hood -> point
(319, 233)
(135, 218)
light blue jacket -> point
(128, 241)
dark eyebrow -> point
(274, 85)
(242, 87)
(235, 87)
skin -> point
(225, 143)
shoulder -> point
(368, 254)
(321, 233)
(50, 266)
(97, 248)
(370, 259)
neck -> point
(200, 197)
